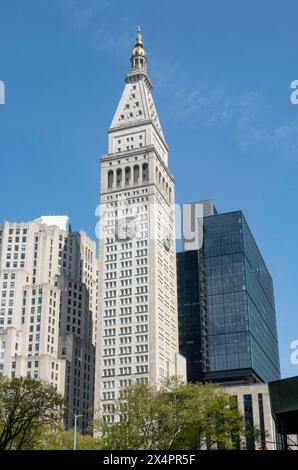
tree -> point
(27, 407)
(211, 419)
(63, 440)
(173, 416)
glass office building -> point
(193, 314)
(240, 328)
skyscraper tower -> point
(226, 304)
(137, 337)
(48, 309)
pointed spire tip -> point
(139, 57)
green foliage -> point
(27, 407)
(174, 416)
(63, 440)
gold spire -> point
(139, 47)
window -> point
(249, 420)
(145, 171)
(127, 175)
(119, 177)
(262, 420)
(110, 179)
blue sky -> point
(221, 72)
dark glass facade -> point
(241, 326)
(192, 300)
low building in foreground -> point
(271, 408)
(253, 402)
(284, 405)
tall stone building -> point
(137, 322)
(48, 295)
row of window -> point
(140, 348)
(126, 371)
(17, 231)
(126, 273)
(125, 340)
(124, 360)
(15, 264)
(126, 320)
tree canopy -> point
(174, 416)
(61, 439)
(27, 406)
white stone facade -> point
(138, 307)
(48, 296)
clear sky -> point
(221, 71)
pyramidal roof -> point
(136, 103)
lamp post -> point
(75, 431)
(75, 427)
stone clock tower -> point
(137, 330)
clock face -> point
(126, 228)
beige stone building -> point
(253, 402)
(48, 296)
(138, 307)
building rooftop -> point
(61, 221)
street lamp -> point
(75, 427)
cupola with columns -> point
(139, 57)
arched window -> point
(159, 180)
(170, 195)
(167, 191)
(163, 186)
(110, 178)
(145, 171)
(119, 177)
(156, 176)
(127, 175)
(136, 173)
